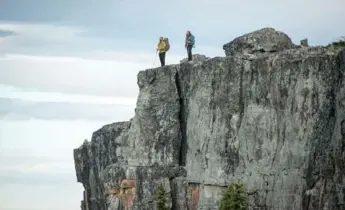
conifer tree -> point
(160, 202)
(234, 198)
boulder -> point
(263, 40)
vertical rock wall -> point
(273, 118)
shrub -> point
(339, 43)
(160, 202)
(234, 198)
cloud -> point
(16, 109)
(116, 78)
(69, 29)
(38, 175)
(70, 75)
(42, 138)
(38, 153)
(36, 163)
(4, 33)
(35, 32)
(26, 197)
(18, 104)
(61, 40)
(39, 38)
(61, 11)
(11, 92)
(38, 180)
(13, 161)
(33, 171)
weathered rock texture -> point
(197, 58)
(263, 40)
(274, 119)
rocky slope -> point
(270, 114)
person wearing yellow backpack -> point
(163, 47)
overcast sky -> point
(68, 67)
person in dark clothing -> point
(189, 44)
(162, 50)
(162, 58)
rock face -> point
(263, 40)
(273, 120)
(196, 58)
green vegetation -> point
(234, 198)
(160, 202)
(339, 43)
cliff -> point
(270, 114)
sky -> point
(68, 67)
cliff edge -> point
(270, 114)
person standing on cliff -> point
(162, 46)
(189, 44)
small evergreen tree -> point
(160, 202)
(234, 198)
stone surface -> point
(275, 121)
(155, 136)
(196, 58)
(263, 40)
(304, 43)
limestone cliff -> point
(270, 114)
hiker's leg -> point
(161, 58)
(190, 53)
(189, 49)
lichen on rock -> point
(269, 114)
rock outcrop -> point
(271, 117)
(196, 58)
(263, 40)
